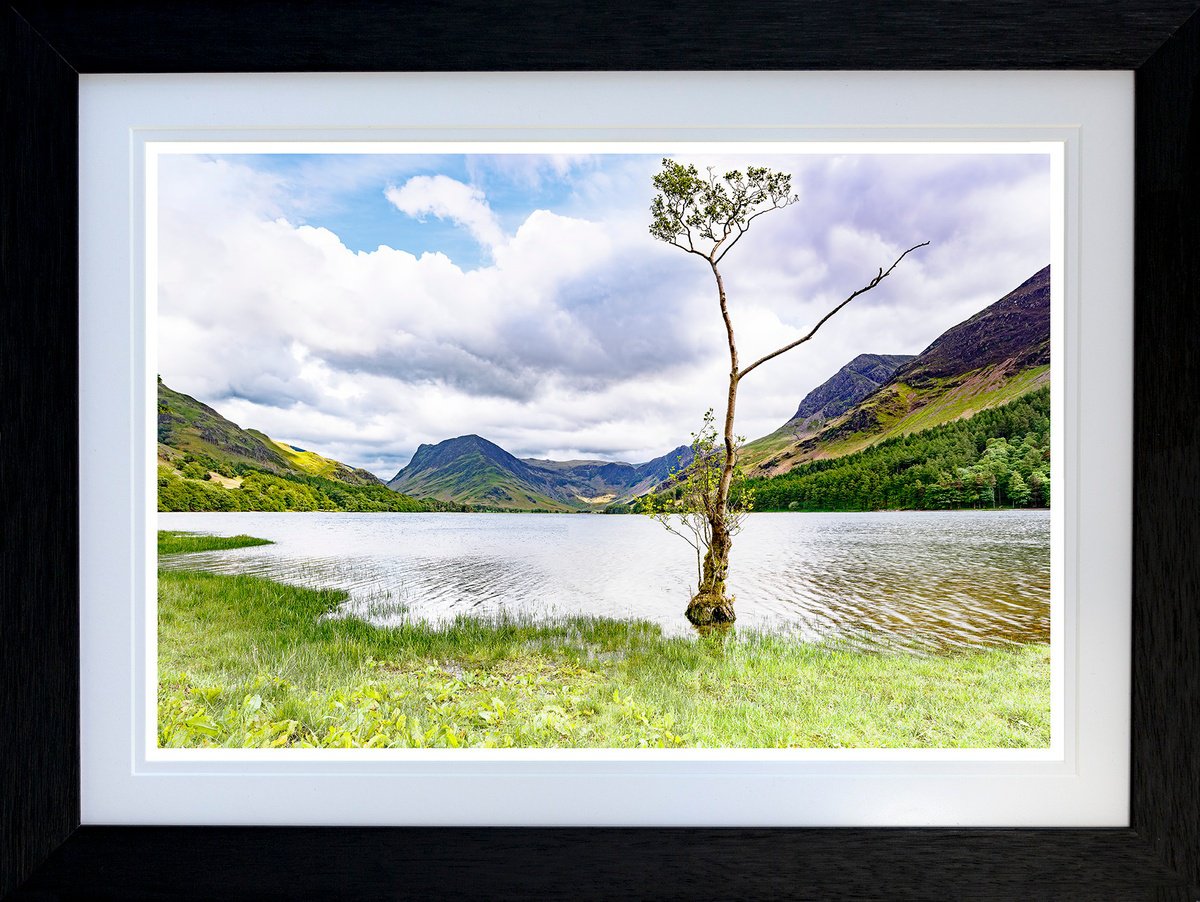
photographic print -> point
(720, 446)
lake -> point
(935, 580)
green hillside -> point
(314, 464)
(998, 457)
(208, 463)
(186, 426)
(480, 482)
(191, 429)
(897, 410)
(470, 469)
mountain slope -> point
(471, 470)
(314, 464)
(187, 426)
(853, 382)
(829, 400)
(997, 355)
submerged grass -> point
(170, 542)
(245, 661)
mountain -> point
(829, 400)
(471, 470)
(186, 426)
(596, 482)
(201, 444)
(997, 355)
(851, 383)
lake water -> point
(938, 580)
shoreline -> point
(310, 681)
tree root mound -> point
(708, 610)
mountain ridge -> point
(469, 469)
(853, 382)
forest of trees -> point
(997, 458)
(192, 489)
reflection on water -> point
(932, 579)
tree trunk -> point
(710, 605)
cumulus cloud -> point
(580, 336)
(447, 198)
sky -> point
(359, 305)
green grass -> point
(244, 661)
(184, 542)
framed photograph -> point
(534, 594)
(427, 408)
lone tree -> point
(686, 505)
(707, 216)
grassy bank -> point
(185, 542)
(245, 661)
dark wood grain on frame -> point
(1165, 779)
(541, 35)
(39, 591)
(572, 864)
(46, 44)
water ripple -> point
(939, 581)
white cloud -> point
(447, 198)
(529, 171)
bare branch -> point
(799, 341)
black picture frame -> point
(46, 854)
